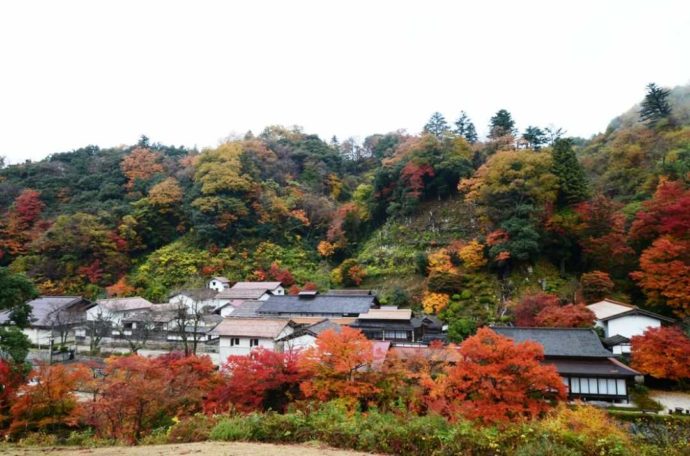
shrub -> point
(235, 428)
(588, 430)
(196, 428)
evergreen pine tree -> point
(437, 125)
(465, 128)
(501, 124)
(535, 137)
(573, 185)
(655, 106)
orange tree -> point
(498, 380)
(339, 366)
(138, 394)
(48, 402)
(662, 352)
(262, 380)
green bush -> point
(196, 428)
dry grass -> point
(203, 448)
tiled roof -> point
(242, 293)
(253, 285)
(246, 309)
(609, 367)
(251, 327)
(387, 314)
(568, 342)
(320, 304)
(200, 294)
(323, 325)
(124, 304)
(48, 310)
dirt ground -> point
(191, 449)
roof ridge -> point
(543, 327)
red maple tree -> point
(568, 316)
(662, 352)
(531, 305)
(262, 380)
(498, 380)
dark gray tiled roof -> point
(318, 328)
(597, 367)
(615, 340)
(49, 310)
(246, 309)
(318, 305)
(571, 342)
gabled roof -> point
(319, 304)
(246, 309)
(124, 304)
(353, 292)
(251, 327)
(221, 279)
(387, 314)
(199, 294)
(48, 310)
(565, 342)
(242, 293)
(615, 340)
(609, 309)
(323, 325)
(254, 285)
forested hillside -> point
(440, 221)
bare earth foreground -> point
(203, 448)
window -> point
(253, 342)
(575, 385)
(602, 386)
(584, 386)
(611, 385)
(593, 386)
(621, 387)
(234, 341)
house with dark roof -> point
(317, 305)
(621, 321)
(305, 335)
(398, 326)
(588, 370)
(52, 317)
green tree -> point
(572, 181)
(501, 124)
(437, 125)
(15, 291)
(535, 137)
(655, 106)
(465, 128)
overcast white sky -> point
(75, 73)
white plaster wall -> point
(243, 348)
(631, 325)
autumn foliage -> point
(262, 380)
(49, 402)
(662, 352)
(596, 285)
(568, 316)
(520, 386)
(339, 366)
(531, 305)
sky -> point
(75, 73)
